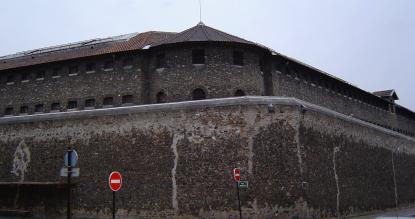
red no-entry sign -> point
(115, 181)
(237, 174)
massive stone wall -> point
(177, 159)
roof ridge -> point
(204, 30)
(67, 46)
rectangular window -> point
(73, 70)
(8, 111)
(56, 72)
(198, 56)
(109, 65)
(126, 99)
(90, 68)
(90, 103)
(55, 107)
(238, 58)
(72, 104)
(25, 77)
(262, 66)
(127, 63)
(24, 109)
(40, 75)
(39, 108)
(161, 60)
(10, 79)
(108, 101)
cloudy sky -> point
(369, 43)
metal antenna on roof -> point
(200, 11)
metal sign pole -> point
(239, 201)
(113, 205)
(69, 181)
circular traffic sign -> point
(115, 181)
(237, 174)
(74, 158)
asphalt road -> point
(391, 213)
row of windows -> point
(197, 94)
(72, 70)
(198, 57)
(339, 89)
(71, 105)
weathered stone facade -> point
(331, 152)
(177, 160)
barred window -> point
(55, 106)
(90, 103)
(238, 58)
(24, 109)
(109, 65)
(8, 111)
(108, 101)
(39, 108)
(161, 60)
(127, 99)
(72, 104)
(198, 56)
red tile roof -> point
(82, 49)
(122, 43)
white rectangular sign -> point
(74, 172)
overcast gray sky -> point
(369, 43)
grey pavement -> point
(392, 213)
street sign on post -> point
(243, 184)
(73, 158)
(65, 172)
(115, 183)
(237, 177)
(237, 174)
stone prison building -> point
(176, 112)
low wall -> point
(177, 160)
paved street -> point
(392, 213)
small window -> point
(161, 60)
(24, 109)
(40, 75)
(199, 94)
(127, 63)
(238, 58)
(239, 93)
(90, 103)
(10, 79)
(72, 104)
(126, 99)
(90, 67)
(161, 97)
(109, 65)
(39, 108)
(73, 70)
(56, 72)
(8, 111)
(25, 77)
(108, 101)
(198, 56)
(262, 66)
(55, 106)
